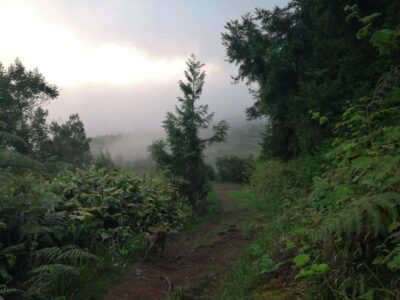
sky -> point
(117, 62)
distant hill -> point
(241, 140)
(131, 149)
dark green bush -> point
(233, 168)
(51, 228)
(104, 160)
(210, 172)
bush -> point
(53, 227)
(210, 172)
(104, 160)
(234, 168)
(269, 177)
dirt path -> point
(192, 260)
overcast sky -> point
(117, 62)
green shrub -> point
(269, 178)
(233, 168)
(210, 172)
(54, 228)
(104, 160)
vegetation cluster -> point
(232, 168)
(328, 78)
(325, 75)
(181, 156)
(62, 221)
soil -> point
(193, 262)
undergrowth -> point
(212, 209)
(272, 185)
(333, 225)
(112, 268)
(243, 275)
(331, 222)
(73, 231)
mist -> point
(117, 63)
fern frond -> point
(69, 255)
(4, 291)
(7, 138)
(48, 255)
(9, 158)
(393, 259)
(5, 177)
(77, 256)
(376, 211)
(55, 270)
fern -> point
(77, 256)
(9, 138)
(17, 161)
(57, 265)
(45, 278)
(68, 254)
(369, 213)
(5, 177)
(53, 270)
(5, 291)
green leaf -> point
(5, 275)
(392, 227)
(323, 120)
(319, 268)
(11, 260)
(394, 264)
(301, 259)
(104, 235)
(385, 40)
(368, 19)
(290, 245)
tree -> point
(21, 92)
(304, 58)
(181, 155)
(39, 134)
(104, 160)
(69, 141)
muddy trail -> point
(194, 261)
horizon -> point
(107, 61)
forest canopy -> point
(306, 62)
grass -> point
(245, 272)
(107, 274)
(214, 207)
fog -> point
(113, 109)
(117, 63)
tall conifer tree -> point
(181, 154)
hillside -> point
(130, 149)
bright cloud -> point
(65, 59)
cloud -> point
(67, 60)
(118, 62)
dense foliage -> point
(104, 160)
(307, 59)
(340, 206)
(325, 75)
(181, 155)
(233, 168)
(52, 228)
(69, 142)
(60, 226)
(21, 93)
